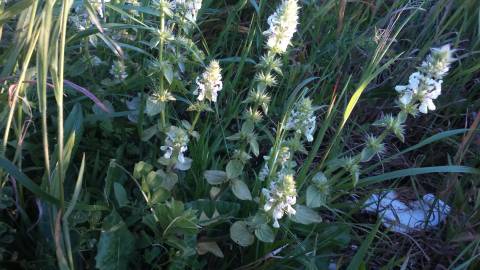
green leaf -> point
(150, 132)
(167, 72)
(234, 137)
(254, 146)
(416, 171)
(212, 247)
(169, 180)
(264, 233)
(429, 140)
(255, 6)
(73, 130)
(114, 174)
(248, 127)
(120, 194)
(76, 192)
(211, 208)
(116, 244)
(215, 177)
(240, 189)
(305, 215)
(159, 195)
(175, 219)
(11, 169)
(367, 154)
(234, 168)
(142, 169)
(153, 107)
(314, 197)
(357, 260)
(240, 234)
(15, 9)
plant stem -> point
(195, 120)
(16, 93)
(42, 69)
(160, 59)
(61, 62)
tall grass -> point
(92, 188)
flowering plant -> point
(202, 134)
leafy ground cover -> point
(248, 134)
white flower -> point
(425, 85)
(264, 172)
(281, 194)
(438, 62)
(302, 119)
(176, 144)
(283, 24)
(118, 71)
(209, 83)
(187, 8)
(280, 198)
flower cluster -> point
(187, 8)
(209, 83)
(283, 24)
(176, 144)
(425, 85)
(280, 197)
(283, 162)
(118, 71)
(302, 119)
(281, 193)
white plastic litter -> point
(400, 217)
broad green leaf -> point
(317, 192)
(264, 233)
(212, 247)
(234, 168)
(305, 215)
(248, 127)
(159, 195)
(176, 219)
(254, 146)
(150, 132)
(215, 177)
(240, 189)
(114, 174)
(169, 180)
(142, 169)
(153, 107)
(314, 197)
(120, 194)
(116, 244)
(167, 72)
(240, 234)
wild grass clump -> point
(189, 134)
